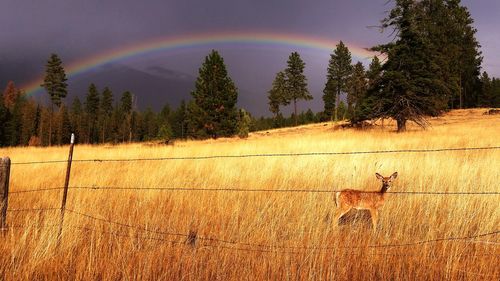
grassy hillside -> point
(262, 235)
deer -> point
(348, 199)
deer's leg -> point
(374, 215)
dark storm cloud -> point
(31, 30)
(87, 26)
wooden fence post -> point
(4, 190)
(66, 184)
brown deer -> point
(348, 199)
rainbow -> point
(198, 40)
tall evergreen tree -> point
(55, 85)
(14, 126)
(277, 94)
(461, 49)
(495, 96)
(179, 119)
(356, 89)
(29, 121)
(125, 111)
(409, 88)
(374, 71)
(338, 72)
(215, 96)
(76, 119)
(489, 95)
(92, 113)
(106, 111)
(365, 104)
(165, 119)
(296, 82)
(63, 130)
(35, 138)
(149, 125)
(244, 121)
(194, 117)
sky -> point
(32, 29)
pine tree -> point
(55, 85)
(356, 89)
(55, 80)
(338, 72)
(296, 82)
(194, 117)
(76, 119)
(149, 125)
(215, 96)
(365, 105)
(29, 121)
(64, 131)
(462, 57)
(179, 125)
(409, 88)
(374, 71)
(244, 124)
(165, 132)
(125, 111)
(92, 113)
(45, 119)
(277, 94)
(35, 137)
(486, 97)
(166, 114)
(14, 126)
(309, 116)
(106, 111)
(342, 110)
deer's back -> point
(361, 199)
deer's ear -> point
(395, 175)
(379, 176)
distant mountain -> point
(168, 73)
(153, 88)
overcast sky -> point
(31, 29)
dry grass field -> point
(262, 235)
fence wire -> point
(264, 155)
(252, 190)
(201, 246)
(315, 248)
(247, 246)
(28, 190)
(33, 210)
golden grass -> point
(109, 252)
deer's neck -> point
(384, 189)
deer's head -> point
(386, 181)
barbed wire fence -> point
(211, 157)
(194, 238)
(250, 190)
(205, 241)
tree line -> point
(103, 118)
(432, 64)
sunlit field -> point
(161, 234)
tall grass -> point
(287, 226)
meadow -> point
(135, 232)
